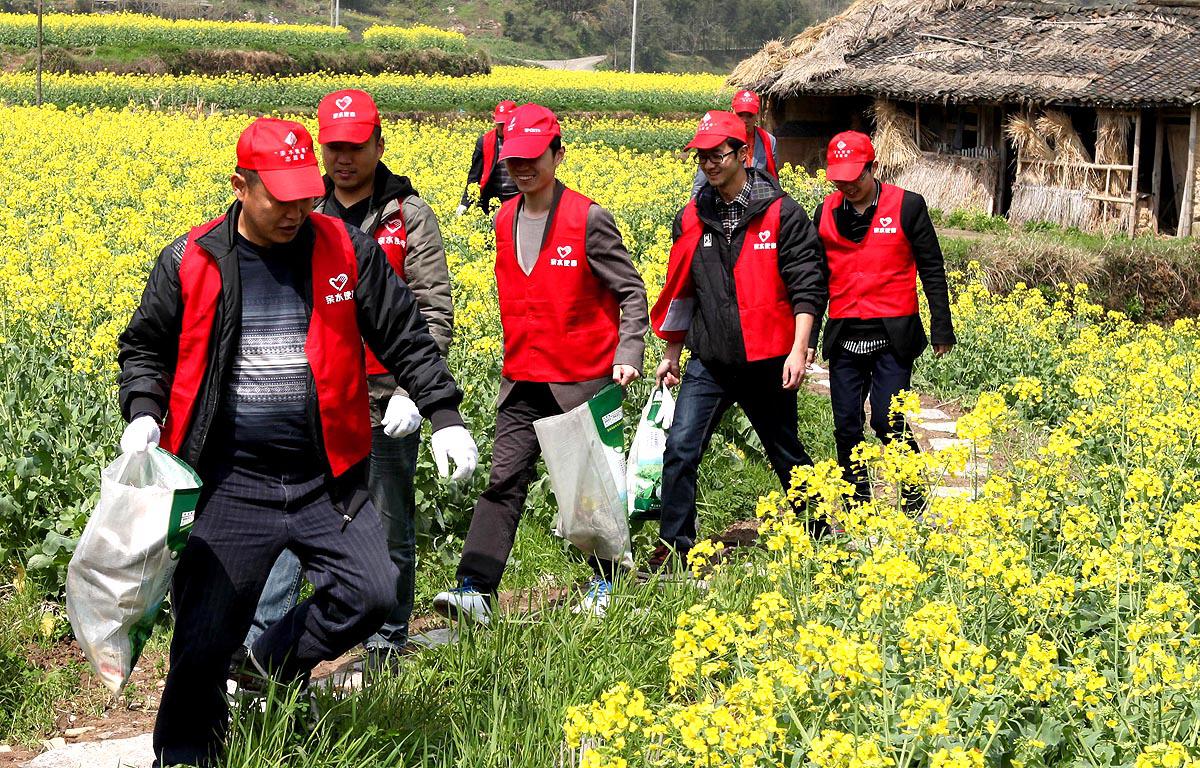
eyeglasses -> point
(701, 158)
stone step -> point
(947, 427)
(953, 492)
(135, 752)
(929, 414)
(942, 443)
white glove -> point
(141, 434)
(401, 417)
(462, 209)
(455, 443)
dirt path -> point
(582, 64)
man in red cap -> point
(486, 169)
(746, 105)
(245, 359)
(744, 286)
(361, 190)
(573, 309)
(877, 238)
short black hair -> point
(735, 144)
(250, 176)
(377, 134)
(556, 144)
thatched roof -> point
(991, 51)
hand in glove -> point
(141, 434)
(401, 417)
(462, 209)
(455, 443)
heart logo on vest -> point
(339, 282)
(564, 251)
(886, 221)
(344, 102)
(394, 225)
(765, 235)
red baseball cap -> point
(349, 116)
(503, 110)
(282, 154)
(530, 129)
(716, 127)
(849, 152)
(746, 101)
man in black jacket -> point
(877, 239)
(744, 285)
(247, 350)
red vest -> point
(768, 322)
(489, 158)
(392, 236)
(560, 322)
(765, 139)
(333, 344)
(877, 277)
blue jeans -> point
(879, 375)
(393, 465)
(707, 392)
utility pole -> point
(632, 38)
(39, 53)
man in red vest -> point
(361, 190)
(247, 349)
(746, 105)
(877, 239)
(744, 285)
(573, 308)
(486, 169)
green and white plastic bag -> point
(644, 478)
(124, 561)
(584, 451)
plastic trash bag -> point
(124, 561)
(644, 474)
(584, 451)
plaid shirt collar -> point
(731, 213)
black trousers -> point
(244, 520)
(708, 390)
(878, 375)
(497, 514)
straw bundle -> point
(1112, 145)
(1031, 148)
(895, 138)
(951, 183)
(1069, 152)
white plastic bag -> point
(126, 556)
(584, 453)
(644, 475)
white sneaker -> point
(595, 602)
(464, 603)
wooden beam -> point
(1156, 175)
(1189, 181)
(1133, 175)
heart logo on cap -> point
(339, 282)
(394, 224)
(512, 124)
(841, 145)
(885, 221)
(290, 139)
(564, 251)
(344, 102)
(765, 235)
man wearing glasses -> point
(877, 238)
(744, 285)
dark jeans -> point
(244, 520)
(853, 378)
(515, 452)
(707, 392)
(393, 466)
